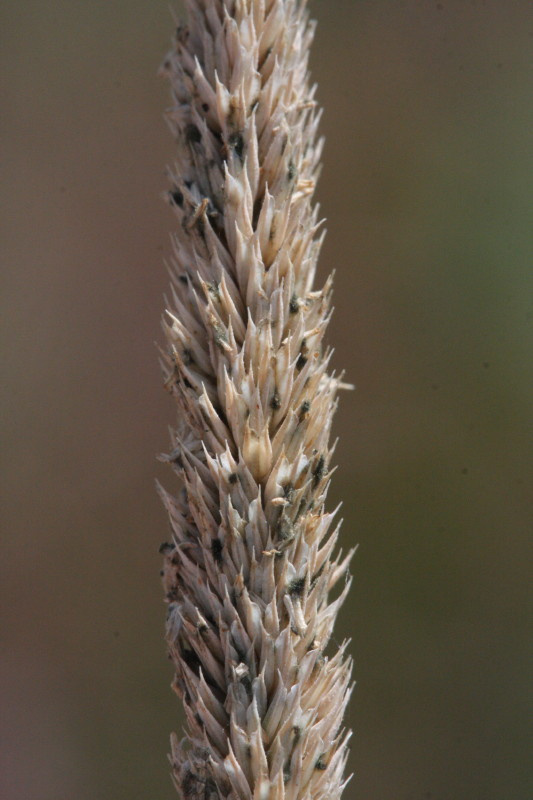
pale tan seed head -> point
(251, 563)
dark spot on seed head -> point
(318, 471)
(288, 491)
(294, 305)
(191, 659)
(304, 409)
(233, 478)
(301, 362)
(216, 550)
(183, 278)
(320, 763)
(257, 210)
(177, 197)
(296, 587)
(187, 357)
(236, 142)
(205, 107)
(275, 403)
(166, 547)
(187, 383)
(292, 171)
(214, 289)
(193, 134)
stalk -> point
(251, 563)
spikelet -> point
(249, 569)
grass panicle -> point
(251, 566)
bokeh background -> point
(427, 173)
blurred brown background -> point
(425, 186)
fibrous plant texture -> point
(250, 566)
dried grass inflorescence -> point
(250, 566)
